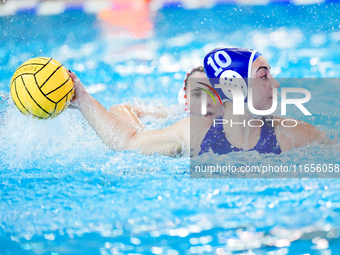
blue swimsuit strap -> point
(216, 140)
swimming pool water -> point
(63, 192)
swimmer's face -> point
(194, 97)
(262, 84)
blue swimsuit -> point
(216, 140)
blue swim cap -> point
(226, 66)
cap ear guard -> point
(230, 79)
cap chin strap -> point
(255, 116)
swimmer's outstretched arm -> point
(158, 111)
(102, 121)
(131, 113)
(118, 135)
(127, 114)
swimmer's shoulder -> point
(292, 133)
(192, 126)
(194, 123)
(191, 131)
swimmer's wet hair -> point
(196, 69)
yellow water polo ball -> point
(41, 87)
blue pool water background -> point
(63, 192)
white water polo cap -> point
(182, 97)
(227, 68)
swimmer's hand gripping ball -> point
(41, 87)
